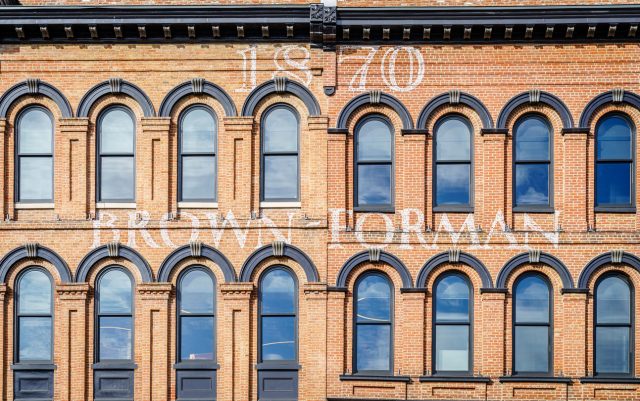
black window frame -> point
(531, 208)
(468, 323)
(355, 324)
(19, 156)
(380, 208)
(17, 316)
(265, 115)
(99, 154)
(180, 315)
(630, 325)
(549, 325)
(182, 154)
(615, 207)
(97, 315)
(469, 207)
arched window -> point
(453, 164)
(198, 147)
(196, 315)
(532, 334)
(114, 316)
(452, 324)
(615, 167)
(374, 165)
(532, 174)
(278, 316)
(116, 155)
(613, 322)
(34, 317)
(34, 156)
(280, 161)
(373, 331)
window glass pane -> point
(532, 349)
(115, 292)
(35, 339)
(198, 131)
(614, 138)
(452, 299)
(278, 338)
(36, 178)
(532, 300)
(452, 348)
(374, 299)
(532, 139)
(453, 183)
(374, 184)
(116, 132)
(196, 338)
(532, 184)
(35, 129)
(613, 183)
(198, 177)
(34, 293)
(278, 292)
(196, 293)
(613, 301)
(612, 350)
(373, 347)
(115, 337)
(280, 177)
(374, 140)
(280, 131)
(453, 140)
(117, 178)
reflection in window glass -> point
(278, 310)
(374, 163)
(452, 323)
(34, 315)
(614, 162)
(613, 317)
(453, 162)
(34, 155)
(373, 317)
(280, 157)
(198, 132)
(116, 161)
(115, 315)
(196, 315)
(532, 162)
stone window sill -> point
(28, 206)
(455, 379)
(115, 205)
(280, 205)
(612, 380)
(375, 378)
(535, 379)
(197, 205)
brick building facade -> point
(312, 278)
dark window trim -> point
(534, 379)
(466, 378)
(376, 378)
(182, 154)
(549, 325)
(468, 323)
(435, 162)
(110, 363)
(99, 153)
(17, 315)
(531, 208)
(615, 207)
(275, 363)
(18, 156)
(630, 325)
(288, 153)
(182, 364)
(383, 207)
(355, 324)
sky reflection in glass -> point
(35, 129)
(115, 292)
(278, 315)
(373, 294)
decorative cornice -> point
(3, 292)
(154, 291)
(236, 290)
(73, 291)
(315, 290)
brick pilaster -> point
(494, 179)
(337, 173)
(493, 335)
(314, 179)
(414, 175)
(313, 338)
(4, 371)
(235, 171)
(575, 341)
(71, 187)
(575, 209)
(336, 332)
(152, 175)
(412, 334)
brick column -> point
(314, 179)
(313, 340)
(4, 372)
(71, 169)
(494, 179)
(234, 343)
(574, 215)
(152, 378)
(152, 170)
(492, 328)
(3, 166)
(411, 335)
(71, 342)
(235, 170)
(337, 178)
(574, 336)
(336, 351)
(414, 172)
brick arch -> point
(364, 257)
(280, 85)
(122, 251)
(366, 99)
(115, 86)
(289, 251)
(445, 99)
(21, 253)
(197, 87)
(184, 252)
(465, 258)
(527, 98)
(606, 98)
(601, 260)
(34, 87)
(545, 258)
